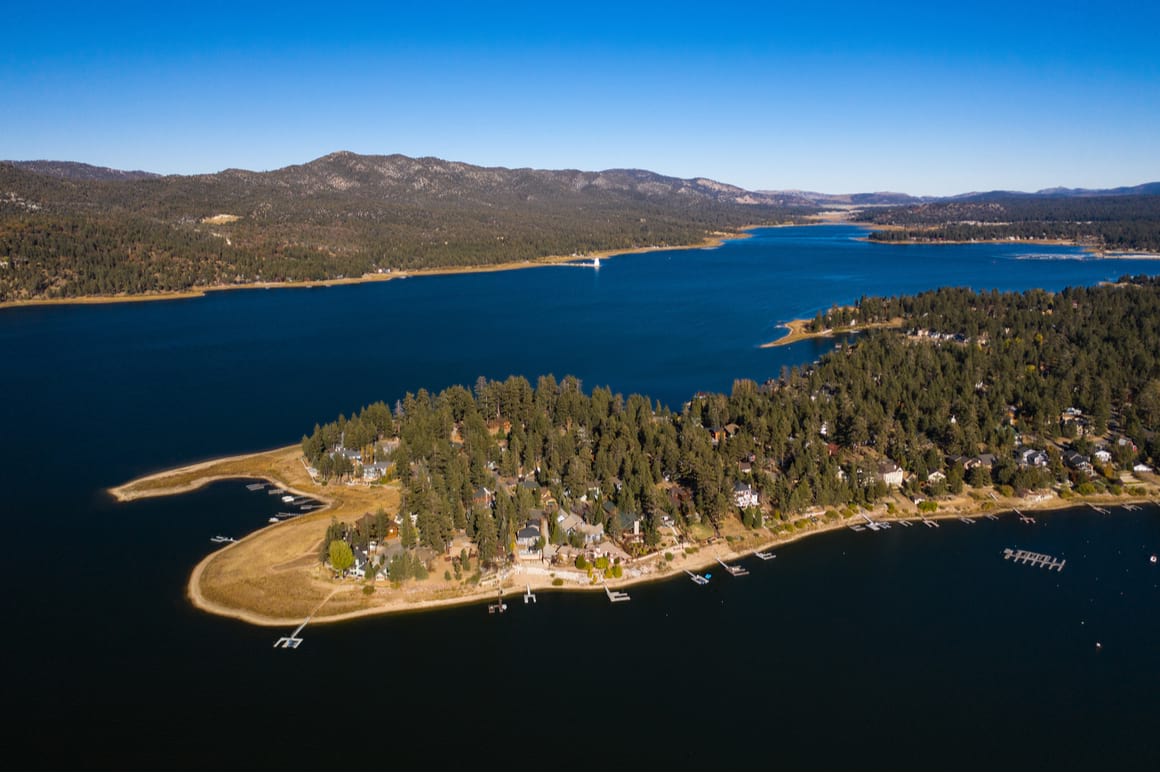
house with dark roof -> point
(528, 537)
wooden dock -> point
(220, 540)
(858, 527)
(907, 524)
(256, 486)
(1131, 508)
(499, 605)
(1024, 518)
(736, 571)
(1035, 559)
(700, 579)
(1098, 509)
(615, 596)
(275, 491)
(930, 524)
(965, 519)
(991, 517)
(765, 556)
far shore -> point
(273, 576)
(715, 240)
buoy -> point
(1099, 646)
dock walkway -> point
(1035, 559)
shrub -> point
(558, 581)
(581, 562)
(668, 556)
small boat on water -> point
(1153, 558)
(288, 498)
(274, 520)
(219, 539)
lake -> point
(908, 648)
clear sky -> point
(926, 98)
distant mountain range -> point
(70, 229)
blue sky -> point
(927, 98)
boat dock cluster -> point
(1035, 559)
(304, 503)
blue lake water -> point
(904, 649)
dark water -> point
(906, 648)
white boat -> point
(273, 519)
(1153, 558)
(288, 498)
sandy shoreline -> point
(313, 591)
(797, 331)
(715, 240)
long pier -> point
(736, 571)
(292, 641)
(1035, 559)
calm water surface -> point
(913, 647)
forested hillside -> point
(1129, 222)
(70, 230)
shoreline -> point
(715, 239)
(797, 332)
(513, 580)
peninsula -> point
(967, 404)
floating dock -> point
(929, 523)
(1035, 559)
(256, 486)
(736, 571)
(1024, 518)
(992, 517)
(499, 605)
(907, 524)
(1131, 507)
(697, 578)
(276, 491)
(1098, 509)
(614, 595)
(765, 556)
(858, 527)
(529, 596)
(965, 519)
(219, 539)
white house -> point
(744, 495)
